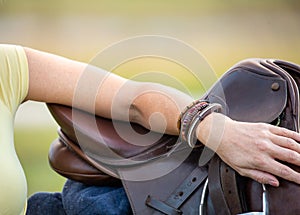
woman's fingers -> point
(267, 167)
(286, 142)
(266, 174)
(285, 154)
(282, 171)
(258, 150)
(285, 133)
(261, 177)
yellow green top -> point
(14, 81)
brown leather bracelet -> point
(188, 115)
(187, 109)
(195, 106)
(191, 137)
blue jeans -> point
(77, 198)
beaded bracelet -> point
(191, 117)
(191, 132)
(190, 112)
(187, 116)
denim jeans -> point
(77, 198)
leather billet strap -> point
(223, 187)
(215, 187)
(230, 188)
(180, 194)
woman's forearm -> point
(158, 107)
(55, 79)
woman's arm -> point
(252, 149)
(55, 79)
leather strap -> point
(162, 207)
(215, 187)
(230, 188)
(187, 187)
(181, 193)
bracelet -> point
(187, 116)
(191, 137)
(189, 112)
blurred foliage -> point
(141, 8)
(224, 31)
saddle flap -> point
(70, 164)
(249, 94)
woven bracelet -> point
(191, 137)
(190, 110)
(188, 115)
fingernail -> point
(274, 183)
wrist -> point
(203, 128)
(211, 129)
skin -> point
(252, 149)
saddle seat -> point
(101, 136)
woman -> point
(27, 74)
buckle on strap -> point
(190, 184)
(162, 207)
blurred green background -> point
(223, 31)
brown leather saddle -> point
(163, 176)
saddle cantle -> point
(254, 90)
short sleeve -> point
(14, 77)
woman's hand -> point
(253, 149)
